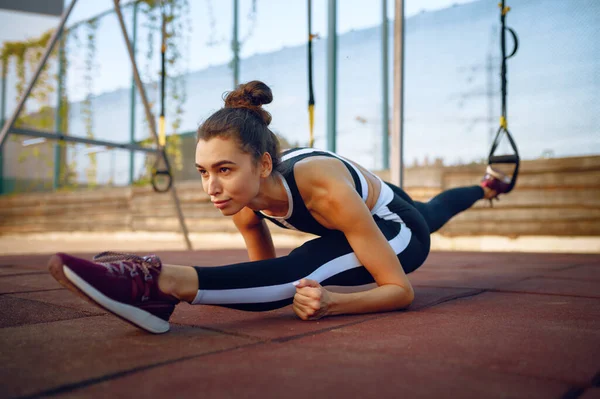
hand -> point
(311, 301)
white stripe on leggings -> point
(279, 292)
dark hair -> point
(244, 119)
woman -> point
(369, 230)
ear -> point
(266, 165)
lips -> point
(221, 204)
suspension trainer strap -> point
(311, 95)
(161, 177)
(503, 129)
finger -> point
(300, 312)
(308, 301)
(310, 292)
(305, 282)
(312, 283)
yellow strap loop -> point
(503, 122)
(311, 124)
(505, 10)
(162, 137)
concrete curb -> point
(43, 243)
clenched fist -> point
(311, 301)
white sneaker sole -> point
(497, 175)
(132, 314)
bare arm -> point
(257, 236)
(336, 204)
(348, 212)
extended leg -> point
(443, 207)
(267, 284)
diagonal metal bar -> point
(8, 125)
(151, 120)
(80, 140)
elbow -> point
(406, 297)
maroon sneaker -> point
(126, 285)
(496, 181)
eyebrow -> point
(217, 164)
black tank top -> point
(298, 216)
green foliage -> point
(91, 27)
(26, 56)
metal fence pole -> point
(58, 120)
(396, 171)
(2, 117)
(332, 75)
(235, 45)
(385, 131)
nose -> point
(213, 186)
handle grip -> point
(503, 159)
(515, 42)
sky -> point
(278, 23)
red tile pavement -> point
(529, 335)
(17, 311)
(61, 298)
(42, 357)
(282, 324)
(484, 278)
(556, 286)
(28, 283)
(482, 325)
(16, 270)
(509, 260)
(585, 272)
(291, 370)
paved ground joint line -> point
(23, 274)
(573, 266)
(517, 280)
(469, 294)
(56, 321)
(376, 317)
(220, 331)
(578, 390)
(92, 381)
(98, 308)
(568, 278)
(124, 373)
(31, 292)
(542, 293)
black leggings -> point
(444, 206)
(267, 284)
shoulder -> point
(322, 178)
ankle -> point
(488, 193)
(166, 281)
(179, 281)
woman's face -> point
(228, 175)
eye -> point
(202, 172)
(224, 169)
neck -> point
(272, 197)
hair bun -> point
(251, 95)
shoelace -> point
(143, 262)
